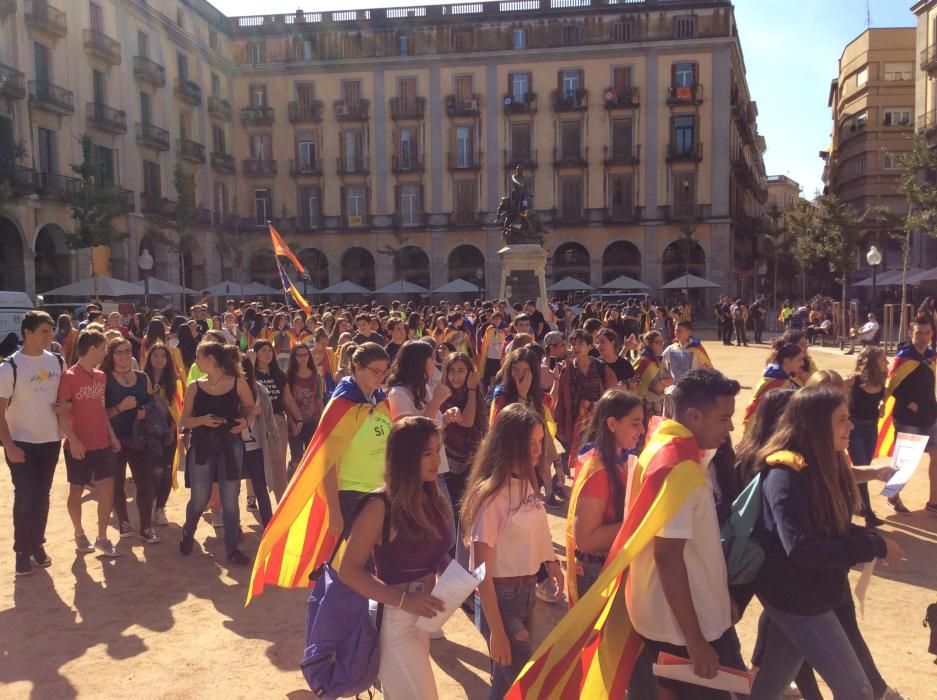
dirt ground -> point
(153, 624)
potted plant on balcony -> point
(581, 96)
(530, 98)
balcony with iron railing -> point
(414, 220)
(105, 118)
(7, 7)
(629, 98)
(258, 167)
(927, 122)
(569, 215)
(625, 212)
(56, 186)
(50, 97)
(459, 106)
(148, 71)
(685, 212)
(257, 115)
(413, 108)
(464, 161)
(684, 153)
(42, 17)
(190, 150)
(626, 154)
(354, 221)
(526, 159)
(127, 200)
(156, 205)
(306, 167)
(685, 94)
(219, 108)
(406, 163)
(12, 83)
(346, 111)
(356, 164)
(465, 217)
(929, 58)
(152, 136)
(21, 180)
(570, 100)
(189, 91)
(570, 157)
(223, 163)
(102, 46)
(520, 104)
(305, 112)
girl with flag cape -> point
(168, 393)
(324, 359)
(783, 364)
(344, 460)
(647, 371)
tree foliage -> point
(94, 206)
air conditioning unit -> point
(471, 105)
(341, 111)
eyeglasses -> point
(376, 371)
(128, 351)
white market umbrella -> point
(104, 286)
(458, 286)
(891, 277)
(158, 286)
(570, 284)
(925, 276)
(689, 281)
(346, 287)
(402, 287)
(625, 282)
(223, 289)
(256, 289)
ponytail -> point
(226, 356)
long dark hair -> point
(510, 387)
(273, 369)
(804, 428)
(409, 370)
(460, 395)
(187, 344)
(292, 369)
(107, 364)
(155, 333)
(417, 509)
(247, 367)
(226, 356)
(760, 430)
(616, 404)
(168, 378)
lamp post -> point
(874, 258)
(480, 276)
(145, 263)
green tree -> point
(800, 225)
(8, 158)
(178, 219)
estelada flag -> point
(646, 368)
(696, 347)
(297, 538)
(591, 652)
(290, 288)
(773, 378)
(280, 248)
(905, 361)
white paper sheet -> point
(862, 585)
(452, 588)
(726, 679)
(909, 451)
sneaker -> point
(896, 505)
(186, 544)
(125, 530)
(104, 546)
(931, 507)
(83, 544)
(251, 503)
(217, 520)
(236, 556)
(551, 502)
(548, 593)
(159, 517)
(872, 520)
(24, 565)
(149, 535)
(40, 558)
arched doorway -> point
(263, 269)
(465, 262)
(53, 261)
(193, 264)
(317, 267)
(681, 256)
(160, 255)
(358, 267)
(571, 260)
(12, 275)
(621, 258)
(412, 264)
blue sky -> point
(791, 52)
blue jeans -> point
(789, 640)
(201, 477)
(516, 604)
(862, 441)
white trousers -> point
(406, 673)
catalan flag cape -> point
(281, 249)
(175, 410)
(485, 346)
(591, 652)
(905, 361)
(773, 378)
(499, 401)
(290, 288)
(297, 538)
(702, 357)
(646, 368)
(591, 465)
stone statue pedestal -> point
(523, 274)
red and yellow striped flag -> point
(280, 248)
(297, 538)
(906, 360)
(591, 652)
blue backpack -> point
(744, 555)
(342, 655)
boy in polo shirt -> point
(90, 443)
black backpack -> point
(12, 363)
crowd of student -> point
(488, 411)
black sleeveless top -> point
(862, 404)
(115, 392)
(217, 442)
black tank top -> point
(862, 404)
(226, 405)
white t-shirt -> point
(695, 522)
(513, 522)
(29, 415)
(401, 404)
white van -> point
(13, 305)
